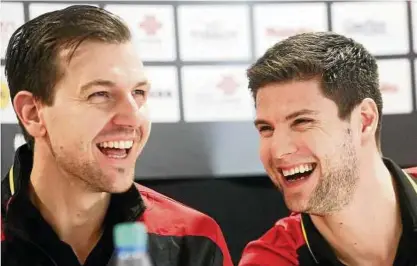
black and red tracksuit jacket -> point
(294, 240)
(178, 235)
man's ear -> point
(369, 119)
(28, 110)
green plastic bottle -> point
(131, 242)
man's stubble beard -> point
(85, 171)
(338, 183)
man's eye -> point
(265, 131)
(99, 97)
(301, 121)
(139, 92)
(264, 128)
(99, 94)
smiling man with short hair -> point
(80, 92)
(319, 114)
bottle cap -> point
(130, 235)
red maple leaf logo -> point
(150, 25)
(228, 85)
(388, 88)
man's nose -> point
(282, 144)
(130, 112)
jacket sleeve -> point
(181, 235)
(278, 246)
(412, 171)
(212, 249)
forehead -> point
(292, 96)
(94, 59)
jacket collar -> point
(17, 179)
(407, 192)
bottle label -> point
(130, 252)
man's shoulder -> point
(412, 171)
(167, 216)
(286, 231)
(278, 244)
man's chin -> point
(296, 205)
(119, 183)
(119, 188)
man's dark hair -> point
(32, 62)
(347, 71)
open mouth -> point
(299, 172)
(116, 149)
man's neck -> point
(74, 212)
(368, 230)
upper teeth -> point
(121, 144)
(298, 169)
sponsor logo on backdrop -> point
(7, 28)
(228, 85)
(4, 96)
(395, 85)
(286, 22)
(7, 114)
(214, 30)
(152, 28)
(381, 26)
(389, 88)
(367, 28)
(19, 140)
(280, 32)
(163, 97)
(37, 9)
(213, 93)
(150, 25)
(161, 94)
(11, 18)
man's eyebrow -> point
(299, 113)
(257, 122)
(109, 84)
(288, 117)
